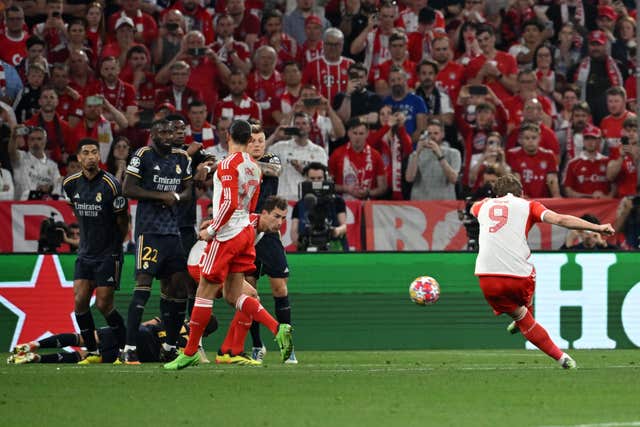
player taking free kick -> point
(230, 252)
(506, 278)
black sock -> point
(212, 326)
(64, 357)
(172, 315)
(116, 322)
(190, 303)
(178, 310)
(87, 330)
(283, 309)
(255, 334)
(136, 309)
(59, 341)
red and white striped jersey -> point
(246, 109)
(504, 225)
(329, 77)
(236, 185)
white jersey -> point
(504, 225)
(236, 185)
(290, 177)
(29, 172)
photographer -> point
(628, 221)
(319, 218)
(357, 100)
(624, 159)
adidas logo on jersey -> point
(76, 196)
(156, 168)
(110, 279)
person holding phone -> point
(95, 126)
(235, 54)
(357, 100)
(622, 169)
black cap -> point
(240, 131)
(427, 16)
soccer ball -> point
(424, 290)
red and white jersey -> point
(587, 175)
(504, 225)
(612, 128)
(247, 108)
(329, 77)
(236, 186)
(13, 50)
(310, 53)
(450, 78)
(533, 170)
(409, 19)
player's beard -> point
(162, 144)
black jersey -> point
(269, 184)
(159, 173)
(187, 210)
(97, 203)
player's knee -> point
(279, 287)
(141, 296)
(81, 303)
(104, 305)
(519, 313)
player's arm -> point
(552, 183)
(187, 183)
(133, 190)
(575, 223)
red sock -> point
(538, 336)
(242, 326)
(200, 317)
(252, 308)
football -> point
(424, 290)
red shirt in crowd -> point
(533, 170)
(13, 50)
(349, 167)
(67, 106)
(586, 175)
(548, 139)
(382, 71)
(182, 103)
(451, 78)
(144, 23)
(198, 19)
(246, 109)
(59, 138)
(329, 77)
(505, 63)
(393, 150)
(308, 53)
(611, 128)
(204, 78)
(267, 93)
(121, 96)
(627, 178)
(250, 24)
(515, 105)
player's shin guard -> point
(283, 309)
(136, 310)
(538, 335)
(116, 323)
(59, 341)
(252, 308)
(87, 330)
(200, 317)
(73, 357)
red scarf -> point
(352, 174)
(208, 136)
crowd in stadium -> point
(407, 100)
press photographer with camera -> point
(628, 221)
(319, 218)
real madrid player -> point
(101, 210)
(159, 177)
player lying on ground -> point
(149, 339)
(506, 278)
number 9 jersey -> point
(504, 225)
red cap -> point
(169, 106)
(592, 131)
(598, 37)
(608, 12)
(313, 19)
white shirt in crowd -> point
(289, 153)
(6, 185)
(29, 173)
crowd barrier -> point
(360, 301)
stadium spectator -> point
(329, 72)
(118, 158)
(624, 160)
(59, 138)
(586, 174)
(294, 22)
(534, 113)
(374, 40)
(199, 131)
(170, 34)
(410, 17)
(572, 140)
(35, 54)
(517, 15)
(427, 30)
(357, 101)
(313, 46)
(96, 29)
(53, 30)
(595, 74)
(624, 48)
(546, 77)
(96, 126)
(35, 175)
(14, 38)
(292, 75)
(26, 103)
(450, 75)
(237, 105)
(586, 240)
(528, 89)
(221, 149)
(351, 18)
(357, 168)
(178, 93)
(493, 157)
(120, 94)
(82, 78)
(146, 29)
(73, 165)
(295, 154)
(568, 52)
(284, 45)
(401, 99)
(70, 102)
(7, 190)
(532, 38)
(438, 102)
(235, 54)
(628, 221)
(398, 57)
(568, 98)
(493, 68)
(394, 145)
(194, 16)
(467, 46)
(535, 166)
(266, 84)
(123, 41)
(138, 74)
(611, 125)
(433, 168)
(245, 23)
(76, 39)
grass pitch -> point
(407, 388)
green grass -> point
(407, 388)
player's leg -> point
(107, 282)
(82, 290)
(188, 239)
(53, 341)
(232, 348)
(252, 280)
(61, 357)
(172, 311)
(141, 294)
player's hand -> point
(169, 199)
(204, 225)
(204, 235)
(606, 229)
(433, 146)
